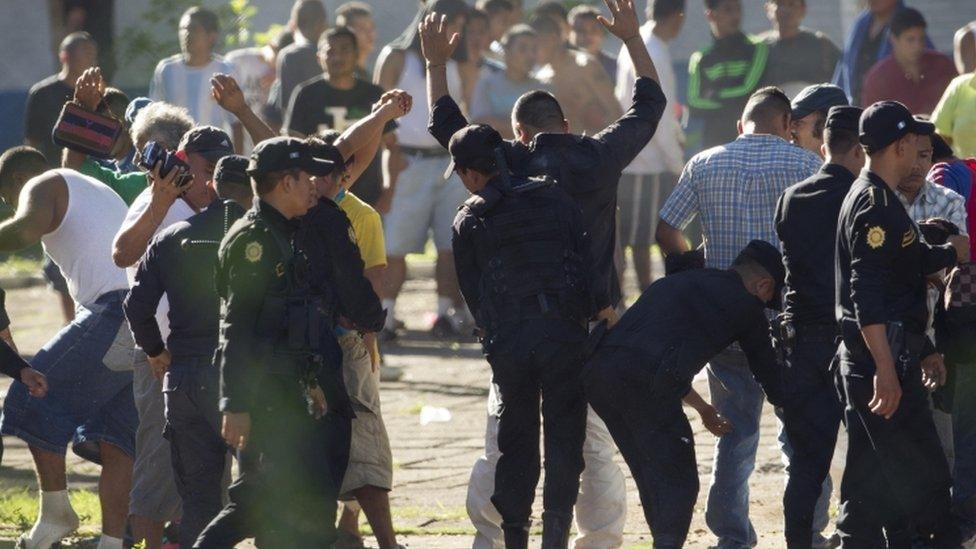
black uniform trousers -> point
(291, 471)
(896, 479)
(199, 454)
(536, 358)
(811, 416)
(642, 410)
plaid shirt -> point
(937, 201)
(734, 189)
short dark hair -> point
(338, 32)
(907, 18)
(282, 39)
(543, 24)
(494, 7)
(475, 13)
(117, 101)
(941, 151)
(840, 141)
(352, 10)
(517, 31)
(203, 17)
(585, 11)
(552, 8)
(766, 105)
(539, 110)
(329, 137)
(264, 183)
(714, 4)
(662, 9)
(74, 40)
(21, 160)
(308, 14)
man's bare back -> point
(584, 90)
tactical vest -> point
(533, 270)
(290, 313)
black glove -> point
(684, 261)
(936, 231)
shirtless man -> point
(88, 363)
(578, 80)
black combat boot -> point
(516, 535)
(555, 530)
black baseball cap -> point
(285, 153)
(818, 97)
(472, 144)
(326, 151)
(844, 118)
(885, 122)
(769, 258)
(232, 169)
(210, 142)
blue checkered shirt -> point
(934, 200)
(734, 189)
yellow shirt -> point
(368, 229)
(955, 116)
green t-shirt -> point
(126, 185)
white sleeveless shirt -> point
(82, 244)
(413, 80)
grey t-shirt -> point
(296, 64)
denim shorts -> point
(88, 368)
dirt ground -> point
(433, 462)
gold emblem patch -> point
(253, 252)
(908, 238)
(876, 237)
(280, 270)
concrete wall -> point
(26, 56)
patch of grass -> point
(18, 510)
(19, 266)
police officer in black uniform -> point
(896, 478)
(179, 263)
(520, 251)
(269, 360)
(807, 330)
(588, 168)
(644, 366)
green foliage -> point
(18, 509)
(156, 36)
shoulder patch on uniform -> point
(253, 251)
(280, 270)
(876, 237)
(908, 238)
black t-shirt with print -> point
(44, 103)
(317, 106)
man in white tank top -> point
(88, 362)
(420, 198)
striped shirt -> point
(733, 188)
(189, 87)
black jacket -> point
(683, 320)
(179, 263)
(806, 223)
(881, 262)
(587, 168)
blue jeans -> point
(737, 396)
(88, 367)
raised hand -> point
(625, 24)
(394, 104)
(435, 44)
(227, 93)
(90, 88)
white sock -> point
(108, 542)
(444, 305)
(55, 520)
(389, 305)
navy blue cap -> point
(885, 122)
(818, 98)
(769, 258)
(232, 169)
(471, 144)
(286, 153)
(134, 107)
(843, 118)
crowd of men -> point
(229, 295)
